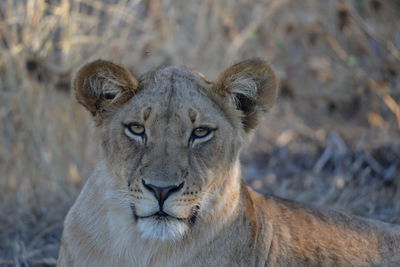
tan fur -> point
(214, 220)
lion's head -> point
(170, 138)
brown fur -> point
(101, 72)
(214, 220)
(264, 80)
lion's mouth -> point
(160, 215)
(163, 216)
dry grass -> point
(333, 139)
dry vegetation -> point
(333, 138)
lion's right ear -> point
(251, 86)
(102, 86)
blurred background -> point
(332, 139)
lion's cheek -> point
(180, 209)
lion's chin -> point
(170, 229)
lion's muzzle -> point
(162, 193)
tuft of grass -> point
(332, 139)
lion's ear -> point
(251, 86)
(102, 86)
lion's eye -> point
(201, 132)
(135, 128)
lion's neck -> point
(224, 199)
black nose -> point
(162, 193)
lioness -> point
(168, 190)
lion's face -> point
(170, 138)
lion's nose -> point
(162, 193)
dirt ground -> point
(332, 139)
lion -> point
(168, 191)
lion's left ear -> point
(103, 86)
(251, 86)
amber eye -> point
(200, 132)
(135, 129)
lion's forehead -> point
(172, 84)
(172, 90)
